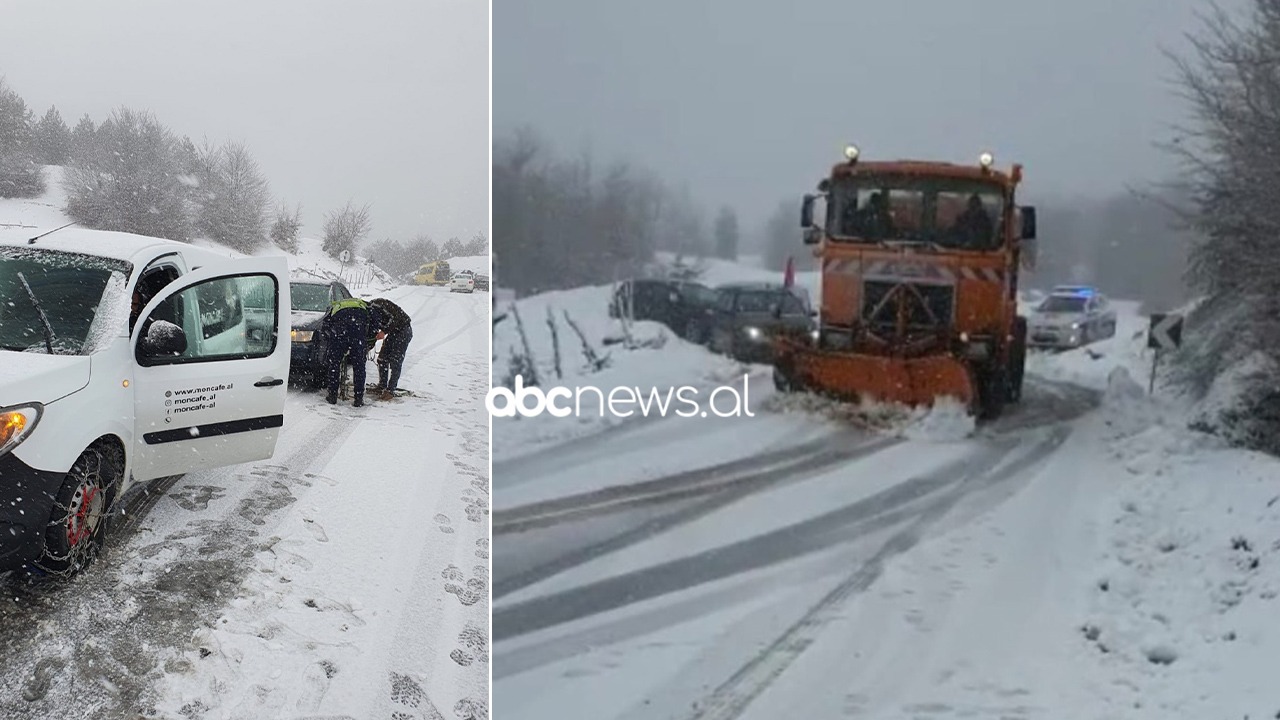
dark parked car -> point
(685, 307)
(482, 281)
(311, 300)
(749, 315)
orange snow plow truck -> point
(920, 265)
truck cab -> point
(920, 264)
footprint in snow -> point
(316, 530)
(469, 590)
(482, 548)
(407, 692)
(316, 681)
(444, 523)
(196, 498)
(475, 646)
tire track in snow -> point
(679, 486)
(726, 494)
(63, 651)
(836, 526)
(731, 698)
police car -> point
(125, 359)
(1071, 316)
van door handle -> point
(269, 382)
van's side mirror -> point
(163, 339)
(1028, 223)
(806, 212)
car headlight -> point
(753, 333)
(16, 423)
(302, 336)
(1075, 326)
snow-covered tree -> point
(53, 138)
(20, 172)
(233, 197)
(129, 179)
(285, 228)
(453, 247)
(1231, 154)
(82, 139)
(344, 229)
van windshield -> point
(69, 288)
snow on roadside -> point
(1184, 600)
(660, 362)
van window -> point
(70, 288)
(224, 318)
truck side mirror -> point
(1028, 223)
(812, 236)
(806, 212)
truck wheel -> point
(74, 534)
(993, 392)
(1017, 359)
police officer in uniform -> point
(347, 327)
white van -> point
(124, 359)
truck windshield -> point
(954, 214)
(68, 287)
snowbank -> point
(474, 263)
(599, 357)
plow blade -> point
(910, 381)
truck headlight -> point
(16, 423)
(302, 336)
(753, 333)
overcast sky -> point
(750, 102)
(380, 101)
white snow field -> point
(347, 576)
(1086, 556)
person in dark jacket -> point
(347, 327)
(397, 333)
(973, 227)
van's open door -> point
(212, 361)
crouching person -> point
(397, 333)
(346, 327)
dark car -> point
(685, 307)
(311, 300)
(482, 281)
(749, 315)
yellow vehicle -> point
(920, 265)
(433, 273)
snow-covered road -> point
(669, 596)
(1087, 555)
(345, 577)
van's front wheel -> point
(74, 533)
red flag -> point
(789, 275)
